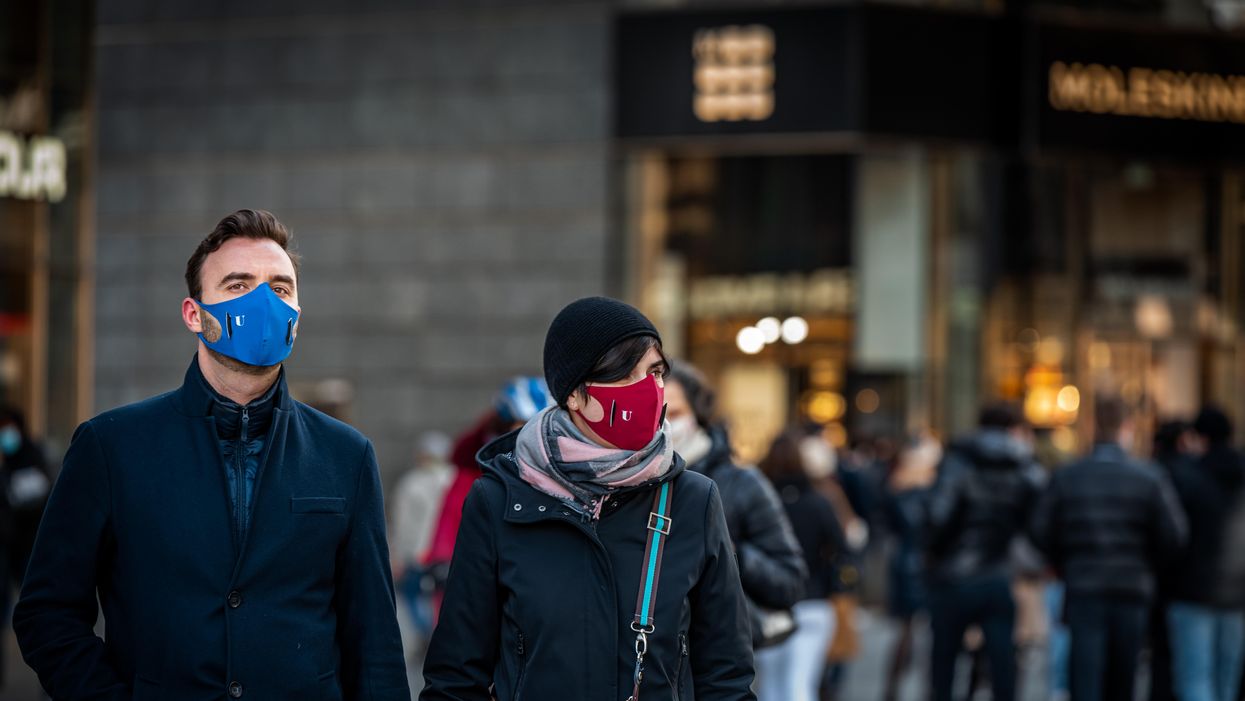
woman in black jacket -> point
(771, 566)
(589, 563)
(793, 670)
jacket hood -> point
(994, 448)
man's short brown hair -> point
(244, 223)
(1110, 414)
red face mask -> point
(633, 412)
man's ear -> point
(192, 316)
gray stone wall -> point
(443, 166)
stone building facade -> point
(444, 167)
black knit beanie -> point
(583, 332)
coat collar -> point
(196, 398)
(1109, 452)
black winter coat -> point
(540, 600)
(985, 493)
(140, 517)
(1106, 524)
(1209, 490)
(771, 566)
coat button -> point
(235, 690)
(518, 507)
(540, 509)
(234, 599)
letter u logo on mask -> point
(240, 320)
(627, 415)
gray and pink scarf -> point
(556, 458)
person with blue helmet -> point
(519, 400)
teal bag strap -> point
(659, 523)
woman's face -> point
(650, 364)
(677, 406)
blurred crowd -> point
(1121, 576)
(1103, 568)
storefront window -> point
(44, 200)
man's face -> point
(233, 270)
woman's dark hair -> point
(783, 460)
(1167, 437)
(618, 362)
(700, 395)
(1213, 424)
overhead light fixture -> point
(750, 340)
(771, 327)
(794, 330)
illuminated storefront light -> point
(794, 330)
(771, 327)
(750, 340)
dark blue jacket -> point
(302, 608)
(539, 601)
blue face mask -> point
(10, 440)
(257, 328)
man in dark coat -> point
(987, 487)
(1106, 524)
(1206, 616)
(233, 536)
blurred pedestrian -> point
(985, 492)
(234, 537)
(848, 485)
(771, 564)
(518, 400)
(413, 511)
(24, 486)
(1206, 619)
(590, 564)
(904, 508)
(1175, 445)
(792, 671)
(1106, 524)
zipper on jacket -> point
(239, 461)
(521, 648)
(678, 675)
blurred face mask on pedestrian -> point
(10, 439)
(682, 421)
(247, 315)
(626, 413)
(820, 460)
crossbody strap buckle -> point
(659, 523)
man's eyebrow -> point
(232, 277)
(283, 278)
